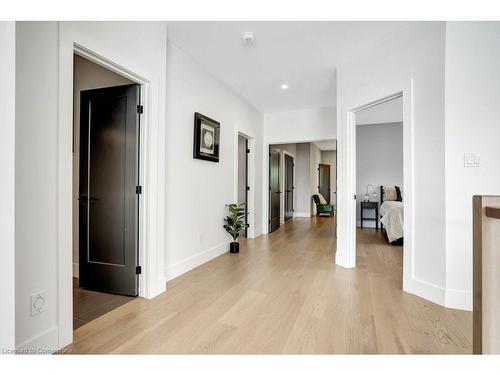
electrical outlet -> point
(37, 301)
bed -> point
(391, 214)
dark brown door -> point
(243, 187)
(288, 187)
(274, 190)
(324, 181)
(109, 170)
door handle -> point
(85, 198)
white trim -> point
(187, 264)
(346, 210)
(76, 269)
(152, 178)
(424, 289)
(251, 232)
(42, 343)
(458, 299)
(258, 232)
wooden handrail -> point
(493, 212)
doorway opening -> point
(106, 190)
(243, 183)
(380, 194)
(289, 185)
(302, 183)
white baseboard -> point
(185, 265)
(44, 343)
(76, 270)
(302, 214)
(428, 291)
(459, 299)
(450, 298)
(257, 232)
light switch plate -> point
(472, 160)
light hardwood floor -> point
(284, 294)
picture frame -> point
(206, 138)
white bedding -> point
(392, 219)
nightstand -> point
(369, 206)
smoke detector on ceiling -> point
(248, 38)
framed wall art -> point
(206, 138)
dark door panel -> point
(288, 187)
(274, 190)
(324, 181)
(109, 136)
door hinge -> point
(248, 188)
(140, 109)
(248, 150)
(138, 189)
(138, 270)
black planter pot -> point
(234, 247)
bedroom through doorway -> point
(379, 189)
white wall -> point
(87, 75)
(44, 56)
(472, 125)
(330, 158)
(379, 161)
(198, 190)
(383, 113)
(7, 188)
(303, 185)
(36, 179)
(413, 61)
(300, 126)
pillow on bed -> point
(322, 199)
(398, 192)
(390, 193)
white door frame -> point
(251, 232)
(151, 204)
(346, 183)
(282, 187)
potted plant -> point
(235, 224)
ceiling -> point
(326, 145)
(384, 113)
(303, 55)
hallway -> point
(284, 294)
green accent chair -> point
(325, 209)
